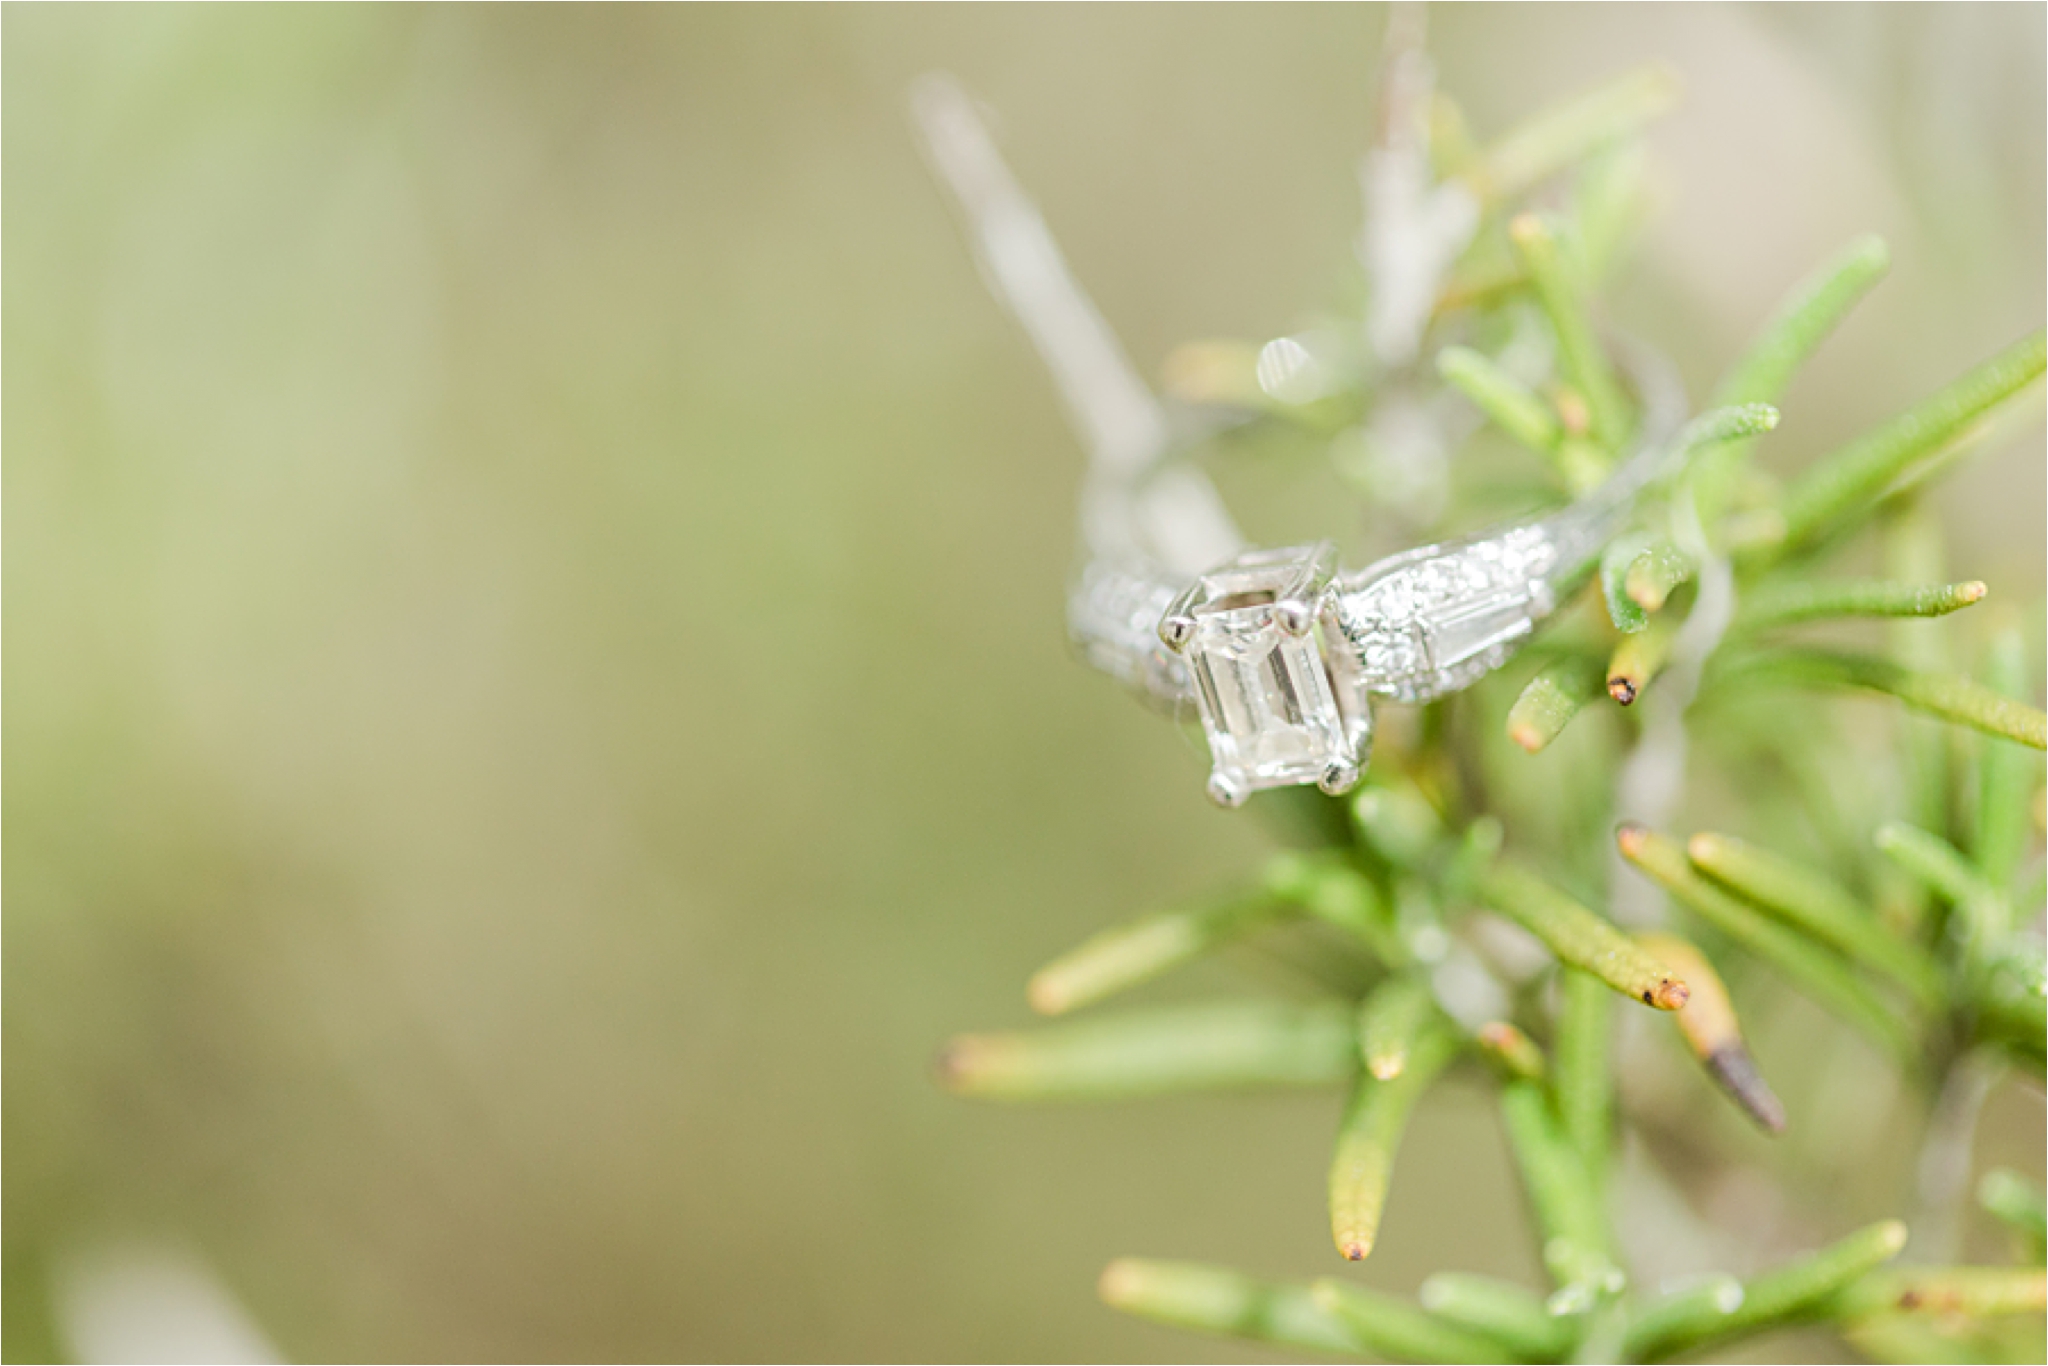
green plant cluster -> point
(1915, 933)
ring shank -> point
(1417, 625)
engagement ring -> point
(1279, 651)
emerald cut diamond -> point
(1274, 713)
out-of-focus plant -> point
(1922, 931)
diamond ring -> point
(1278, 651)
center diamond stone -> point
(1272, 713)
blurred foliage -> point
(1950, 985)
(538, 687)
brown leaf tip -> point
(1527, 736)
(1354, 1250)
(1120, 1282)
(1668, 994)
(1631, 838)
(1047, 995)
(950, 1067)
(1735, 1069)
(1622, 689)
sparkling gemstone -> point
(1395, 599)
(1266, 701)
(1268, 704)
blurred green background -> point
(538, 694)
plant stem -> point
(1568, 1214)
(1211, 1300)
(1397, 1331)
(1511, 1315)
(1800, 1289)
(1584, 1084)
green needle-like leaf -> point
(1391, 1022)
(1790, 601)
(1552, 698)
(1639, 658)
(1801, 1290)
(1475, 852)
(1814, 902)
(1555, 138)
(1567, 1209)
(1514, 1052)
(1130, 954)
(1370, 1136)
(1154, 1052)
(1654, 573)
(1947, 696)
(2006, 776)
(1396, 1330)
(1210, 1299)
(1846, 485)
(1330, 889)
(1579, 937)
(1610, 203)
(1813, 970)
(1510, 404)
(1584, 1082)
(1714, 1035)
(1975, 1291)
(1914, 551)
(1562, 294)
(1941, 867)
(1804, 320)
(1624, 611)
(2018, 1204)
(1397, 822)
(1695, 1312)
(1511, 1315)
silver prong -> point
(1226, 791)
(1296, 617)
(1318, 568)
(1339, 778)
(1177, 627)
